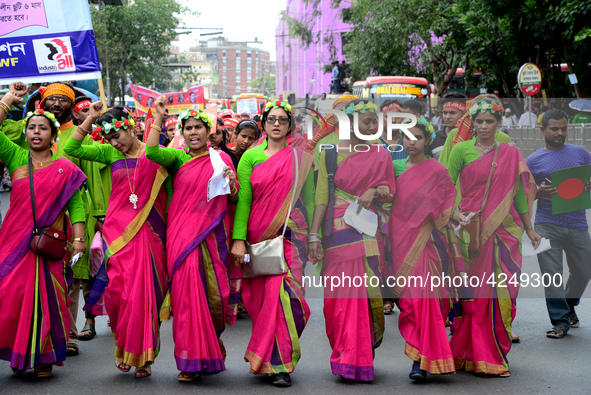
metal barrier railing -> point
(530, 139)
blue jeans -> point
(576, 244)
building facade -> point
(303, 71)
(227, 68)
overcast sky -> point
(240, 20)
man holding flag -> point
(568, 232)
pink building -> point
(303, 70)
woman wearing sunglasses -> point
(276, 303)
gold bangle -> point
(156, 128)
(79, 239)
(5, 107)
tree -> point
(265, 85)
(432, 38)
(133, 41)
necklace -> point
(41, 163)
(133, 199)
(486, 149)
(137, 153)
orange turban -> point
(58, 89)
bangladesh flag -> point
(571, 195)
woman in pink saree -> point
(353, 311)
(133, 238)
(423, 205)
(275, 303)
(482, 334)
(34, 314)
(203, 296)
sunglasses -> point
(282, 120)
(60, 99)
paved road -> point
(538, 364)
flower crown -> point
(116, 124)
(197, 114)
(41, 112)
(361, 107)
(484, 106)
(278, 104)
(423, 121)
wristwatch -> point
(79, 239)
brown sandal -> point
(505, 374)
(186, 376)
(122, 366)
(143, 371)
(43, 371)
(388, 307)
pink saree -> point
(354, 313)
(33, 290)
(423, 205)
(276, 304)
(482, 334)
(135, 259)
(198, 248)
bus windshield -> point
(400, 91)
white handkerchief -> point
(217, 185)
(364, 222)
(527, 248)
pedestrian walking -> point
(133, 237)
(568, 233)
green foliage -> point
(432, 38)
(267, 89)
(133, 41)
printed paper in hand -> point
(364, 222)
(218, 185)
(527, 248)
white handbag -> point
(267, 257)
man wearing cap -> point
(454, 106)
(60, 99)
(509, 120)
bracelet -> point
(528, 227)
(79, 239)
(314, 239)
(156, 128)
(313, 234)
(82, 131)
(5, 107)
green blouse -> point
(106, 154)
(171, 158)
(15, 156)
(249, 160)
(465, 153)
(399, 166)
(500, 137)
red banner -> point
(176, 102)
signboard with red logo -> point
(47, 41)
(529, 79)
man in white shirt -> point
(509, 119)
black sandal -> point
(72, 350)
(87, 328)
(573, 320)
(557, 332)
